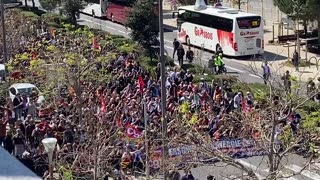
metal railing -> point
(308, 61)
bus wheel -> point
(188, 40)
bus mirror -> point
(174, 14)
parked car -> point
(314, 48)
(25, 88)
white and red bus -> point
(237, 33)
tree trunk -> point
(305, 27)
(73, 18)
(318, 19)
(26, 3)
(33, 4)
(271, 148)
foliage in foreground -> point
(143, 21)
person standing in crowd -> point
(190, 55)
(295, 60)
(237, 101)
(266, 72)
(287, 81)
(188, 77)
(8, 142)
(25, 105)
(187, 176)
(19, 143)
(18, 105)
(3, 125)
(180, 53)
(29, 129)
(176, 45)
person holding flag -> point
(141, 84)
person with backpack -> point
(176, 45)
(180, 53)
(190, 55)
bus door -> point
(180, 18)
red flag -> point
(95, 44)
(141, 84)
(133, 132)
(34, 55)
(118, 121)
(102, 104)
(52, 31)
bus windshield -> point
(249, 22)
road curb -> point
(170, 28)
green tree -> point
(313, 7)
(143, 21)
(72, 7)
(297, 10)
(49, 5)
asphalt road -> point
(233, 66)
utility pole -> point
(239, 4)
(4, 42)
(146, 138)
(262, 9)
(163, 93)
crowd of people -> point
(110, 108)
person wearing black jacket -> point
(180, 53)
(18, 105)
(176, 45)
(190, 55)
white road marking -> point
(306, 173)
(235, 69)
(255, 168)
(123, 32)
(169, 47)
(256, 76)
(168, 41)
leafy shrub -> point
(217, 78)
(251, 87)
(310, 106)
(115, 36)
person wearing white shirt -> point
(237, 101)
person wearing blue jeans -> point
(17, 106)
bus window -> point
(249, 22)
(223, 24)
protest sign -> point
(236, 148)
(133, 132)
